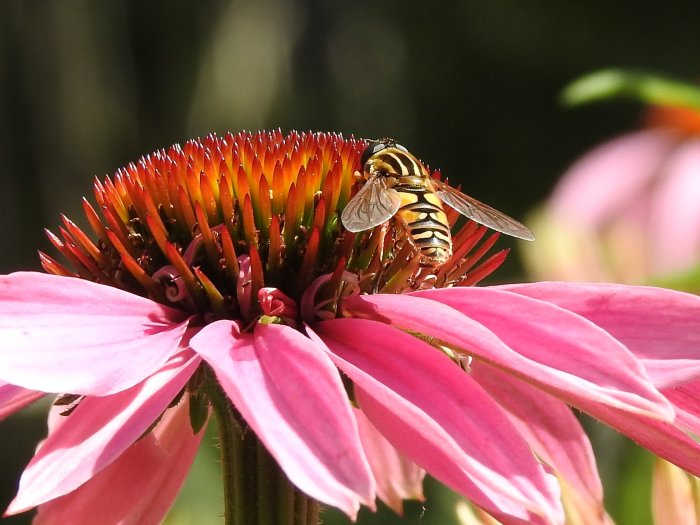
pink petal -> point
(674, 222)
(290, 393)
(686, 401)
(602, 182)
(140, 486)
(661, 327)
(62, 334)
(100, 429)
(547, 346)
(663, 439)
(398, 478)
(14, 398)
(554, 434)
(436, 415)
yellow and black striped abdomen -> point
(425, 222)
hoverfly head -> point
(373, 147)
(377, 145)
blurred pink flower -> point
(628, 210)
(354, 391)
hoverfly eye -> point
(373, 147)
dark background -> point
(470, 87)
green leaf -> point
(637, 85)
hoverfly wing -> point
(373, 205)
(481, 213)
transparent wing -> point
(481, 213)
(373, 205)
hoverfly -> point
(397, 183)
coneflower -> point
(218, 279)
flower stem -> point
(256, 491)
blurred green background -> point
(470, 87)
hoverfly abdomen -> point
(425, 222)
(397, 183)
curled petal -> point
(311, 310)
(275, 303)
(439, 417)
(62, 334)
(14, 398)
(99, 431)
(175, 287)
(398, 478)
(138, 487)
(291, 395)
(661, 327)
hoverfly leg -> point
(425, 280)
(403, 236)
(383, 231)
